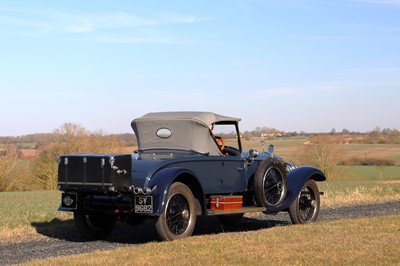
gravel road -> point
(69, 242)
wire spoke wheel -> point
(273, 186)
(270, 181)
(179, 216)
(306, 206)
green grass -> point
(23, 212)
(396, 159)
(20, 209)
(370, 172)
(367, 241)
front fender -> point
(295, 182)
(163, 179)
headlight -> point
(289, 166)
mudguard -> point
(296, 180)
(163, 179)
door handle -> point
(239, 169)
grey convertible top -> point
(188, 131)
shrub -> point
(367, 161)
(323, 154)
(69, 138)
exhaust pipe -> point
(146, 190)
(138, 190)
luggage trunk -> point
(225, 203)
(95, 172)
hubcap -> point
(185, 214)
(279, 186)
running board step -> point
(241, 210)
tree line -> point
(41, 172)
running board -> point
(241, 210)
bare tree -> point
(12, 171)
(69, 138)
(322, 153)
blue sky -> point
(295, 65)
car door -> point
(233, 174)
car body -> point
(183, 168)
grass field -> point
(291, 149)
(359, 184)
(20, 210)
(368, 241)
(373, 241)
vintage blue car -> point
(183, 168)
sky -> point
(293, 65)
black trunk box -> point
(95, 172)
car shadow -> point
(144, 233)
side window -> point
(228, 133)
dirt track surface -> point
(69, 242)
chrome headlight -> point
(289, 166)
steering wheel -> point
(221, 142)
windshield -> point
(228, 133)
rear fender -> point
(163, 180)
(295, 182)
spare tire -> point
(270, 183)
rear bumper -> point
(74, 201)
(111, 203)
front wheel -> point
(270, 183)
(179, 216)
(306, 206)
(94, 226)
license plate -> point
(143, 204)
(69, 201)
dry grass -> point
(347, 193)
(368, 241)
(18, 234)
(24, 212)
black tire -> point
(306, 206)
(94, 226)
(179, 216)
(231, 219)
(270, 183)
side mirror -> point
(253, 153)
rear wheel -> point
(270, 183)
(94, 226)
(179, 216)
(305, 208)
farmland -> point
(363, 241)
(357, 185)
(31, 223)
(32, 216)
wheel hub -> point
(185, 214)
(279, 186)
